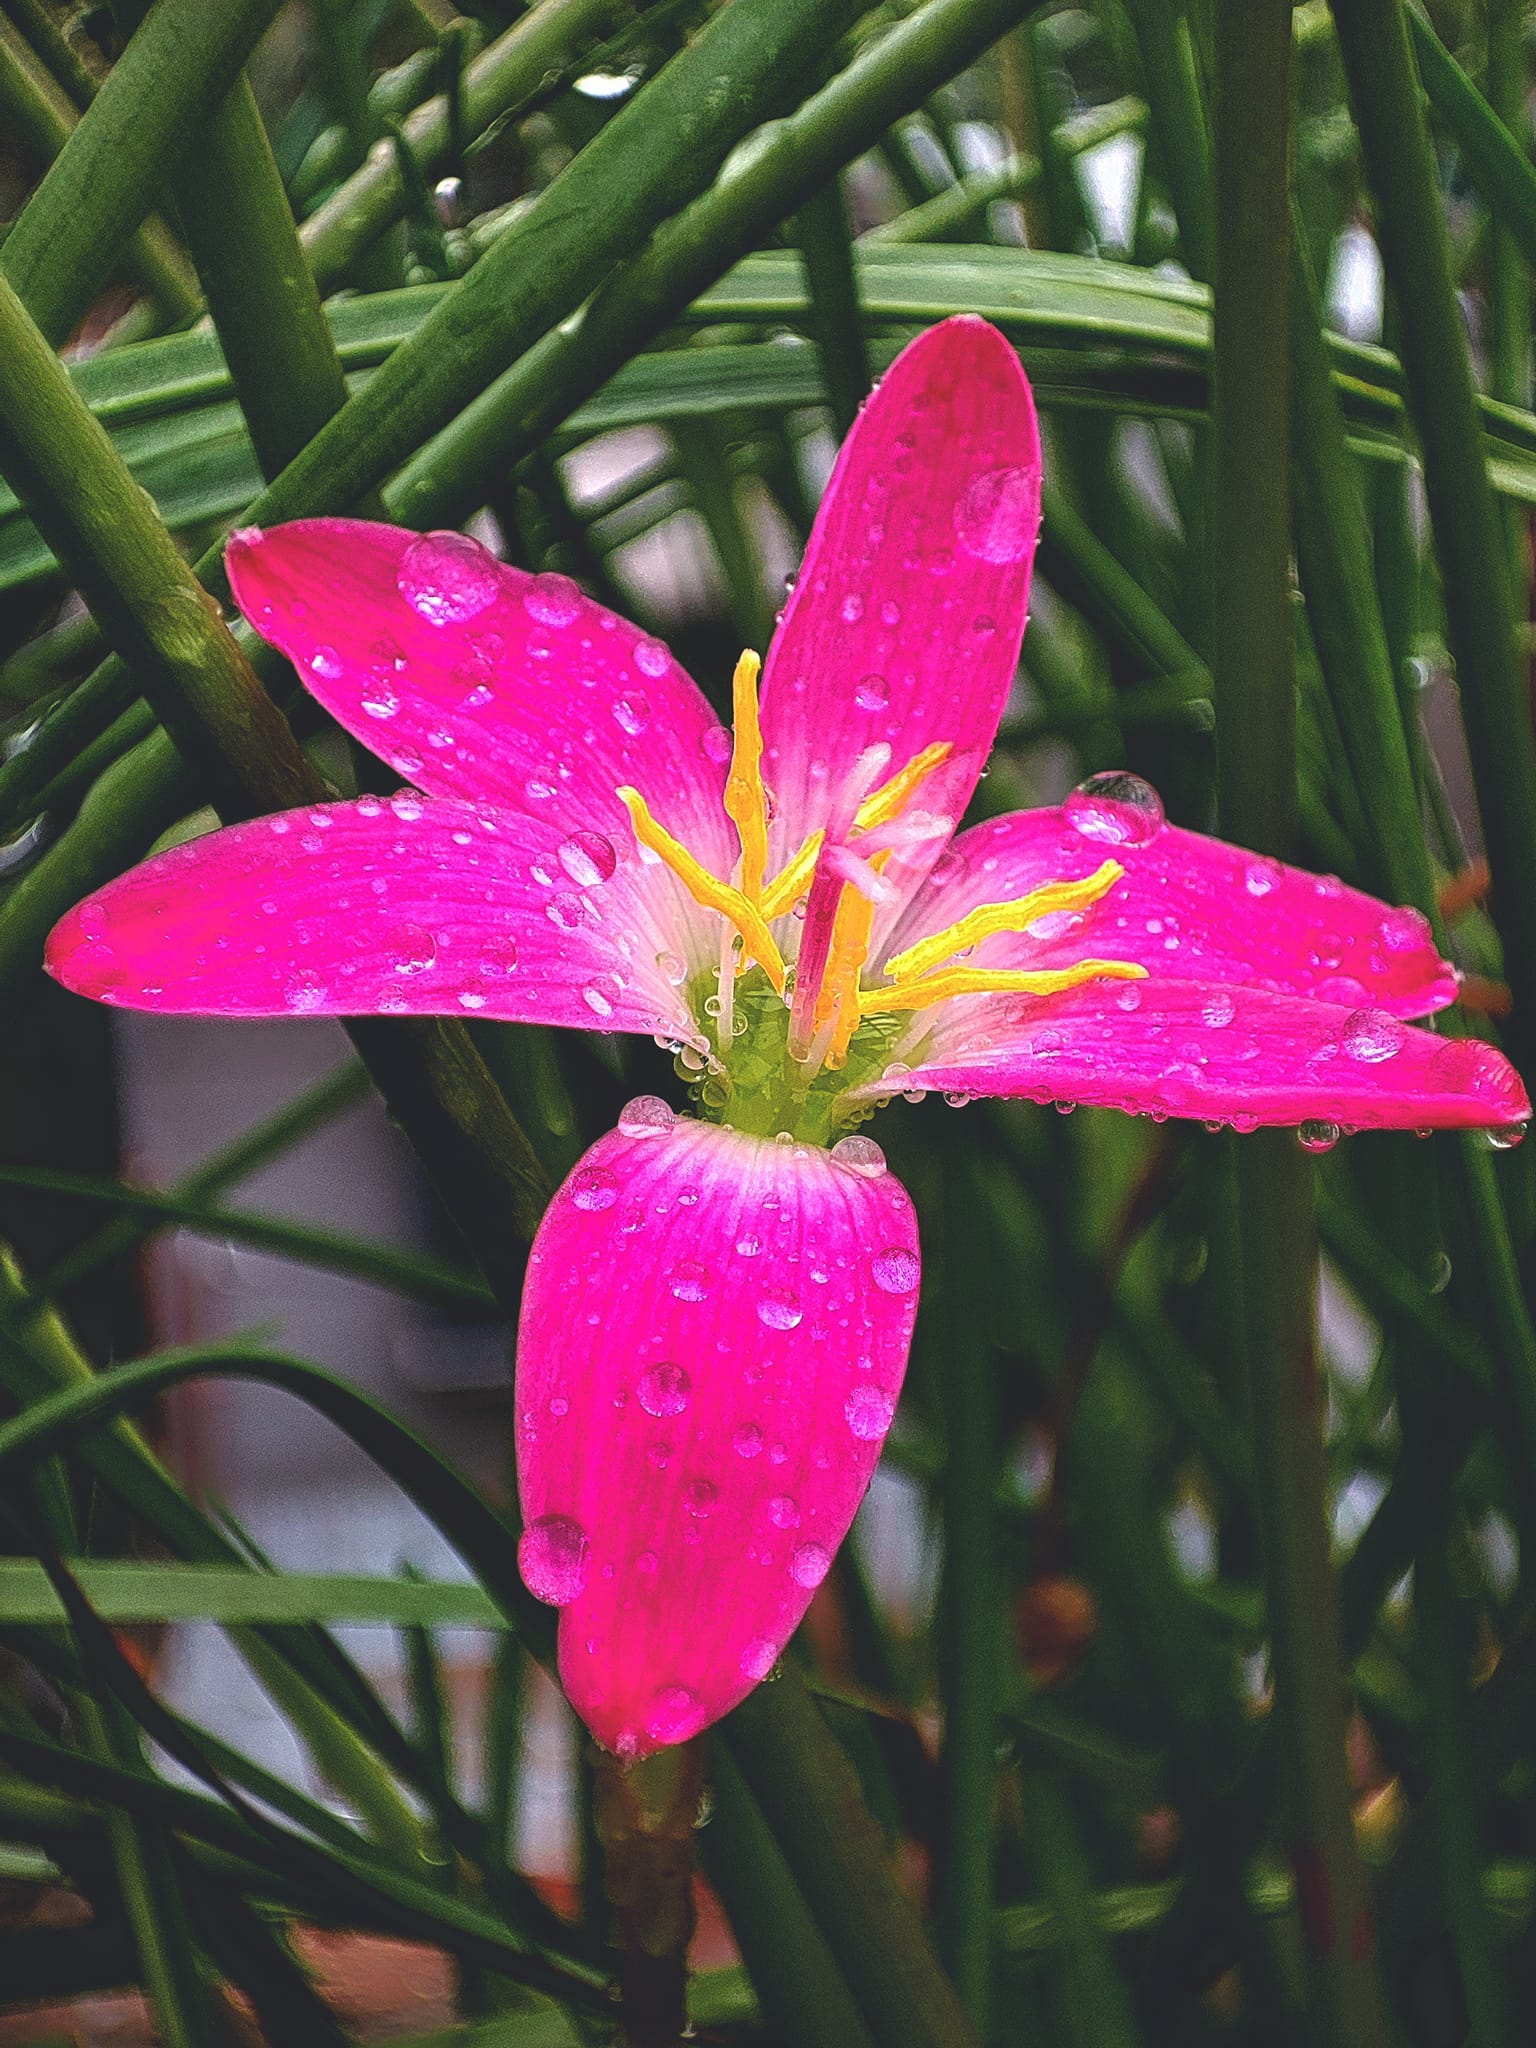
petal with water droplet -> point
(712, 1457)
(1273, 1059)
(1188, 908)
(417, 906)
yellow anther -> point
(705, 889)
(980, 981)
(851, 931)
(990, 918)
(878, 808)
(746, 801)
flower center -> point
(839, 874)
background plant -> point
(1245, 1787)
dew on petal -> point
(633, 712)
(897, 1270)
(447, 578)
(652, 658)
(1218, 1010)
(809, 1564)
(868, 1411)
(1262, 876)
(859, 1155)
(588, 858)
(552, 1557)
(594, 1188)
(1316, 1134)
(647, 1116)
(715, 745)
(1371, 1036)
(673, 1715)
(664, 1389)
(412, 949)
(997, 515)
(552, 600)
(872, 693)
(688, 1280)
(1404, 931)
(326, 663)
(379, 700)
(1116, 809)
(784, 1511)
(701, 1499)
(778, 1309)
(759, 1658)
(747, 1441)
(597, 999)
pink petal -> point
(1243, 1055)
(474, 679)
(713, 1338)
(905, 622)
(1188, 909)
(414, 906)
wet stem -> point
(646, 1813)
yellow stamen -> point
(883, 804)
(990, 918)
(746, 801)
(851, 931)
(977, 981)
(705, 890)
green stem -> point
(1256, 761)
(810, 1797)
(507, 73)
(45, 118)
(820, 231)
(145, 118)
(1469, 536)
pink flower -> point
(718, 1309)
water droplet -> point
(715, 744)
(647, 1116)
(809, 1564)
(1218, 1010)
(597, 999)
(588, 858)
(1318, 1135)
(868, 1411)
(1115, 808)
(859, 1155)
(1505, 1137)
(748, 1247)
(1262, 876)
(379, 700)
(594, 1188)
(689, 1280)
(304, 992)
(1404, 931)
(674, 1714)
(784, 1511)
(758, 1659)
(664, 1389)
(567, 912)
(747, 1441)
(633, 712)
(897, 1270)
(998, 514)
(552, 601)
(326, 663)
(652, 659)
(872, 693)
(701, 1499)
(552, 1557)
(447, 578)
(852, 608)
(498, 957)
(1371, 1036)
(779, 1309)
(412, 949)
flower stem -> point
(1253, 660)
(646, 1815)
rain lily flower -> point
(719, 1306)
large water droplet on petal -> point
(412, 949)
(1116, 809)
(652, 659)
(759, 1658)
(664, 1389)
(689, 1280)
(552, 1557)
(784, 1511)
(778, 1309)
(552, 601)
(860, 1155)
(447, 578)
(748, 1440)
(674, 1714)
(868, 1411)
(594, 1188)
(633, 712)
(588, 858)
(1316, 1134)
(1371, 1036)
(809, 1564)
(897, 1270)
(997, 514)
(647, 1116)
